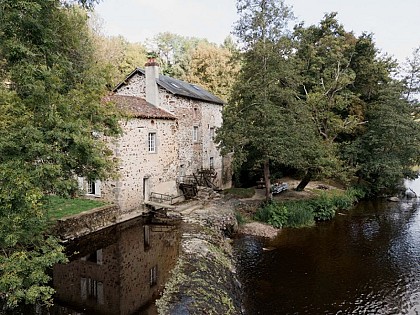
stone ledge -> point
(86, 222)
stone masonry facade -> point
(184, 136)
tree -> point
(173, 52)
(389, 148)
(325, 57)
(212, 67)
(258, 119)
(51, 110)
(118, 56)
(411, 79)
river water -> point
(121, 269)
(365, 261)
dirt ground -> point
(291, 193)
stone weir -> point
(204, 280)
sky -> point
(395, 24)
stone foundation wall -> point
(204, 281)
(86, 222)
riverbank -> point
(205, 280)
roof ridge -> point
(178, 87)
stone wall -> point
(86, 222)
(204, 280)
(140, 170)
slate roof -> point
(178, 87)
(138, 107)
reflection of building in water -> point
(118, 270)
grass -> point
(240, 192)
(59, 207)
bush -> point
(301, 213)
(286, 214)
(324, 207)
(300, 217)
(273, 213)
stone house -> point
(168, 134)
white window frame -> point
(84, 186)
(96, 185)
(195, 133)
(151, 142)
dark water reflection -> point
(117, 270)
(364, 262)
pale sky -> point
(394, 23)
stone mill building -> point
(167, 140)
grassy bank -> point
(300, 213)
(59, 207)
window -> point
(152, 142)
(93, 188)
(211, 162)
(212, 133)
(95, 257)
(146, 230)
(92, 289)
(195, 133)
(153, 276)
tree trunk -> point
(267, 180)
(305, 180)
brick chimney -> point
(152, 74)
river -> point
(121, 269)
(365, 261)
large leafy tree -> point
(212, 67)
(260, 119)
(119, 57)
(50, 116)
(324, 55)
(389, 147)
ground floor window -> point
(90, 187)
(153, 276)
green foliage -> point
(301, 213)
(50, 112)
(273, 213)
(240, 218)
(59, 207)
(286, 214)
(23, 277)
(324, 207)
(26, 253)
(212, 67)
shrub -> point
(324, 207)
(240, 218)
(286, 214)
(301, 213)
(301, 216)
(273, 213)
